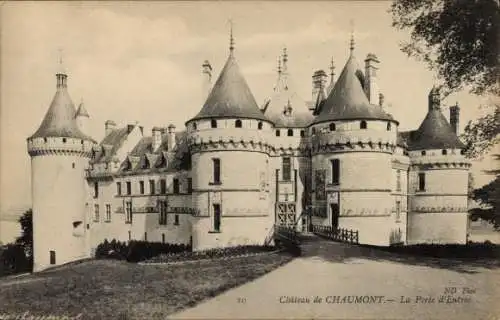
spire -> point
(231, 39)
(285, 60)
(352, 38)
(332, 71)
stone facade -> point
(238, 169)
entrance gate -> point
(286, 214)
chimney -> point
(381, 99)
(171, 137)
(454, 118)
(207, 77)
(156, 133)
(371, 86)
(109, 126)
(434, 99)
(318, 83)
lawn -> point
(110, 289)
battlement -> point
(59, 146)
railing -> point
(342, 235)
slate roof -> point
(435, 132)
(283, 96)
(142, 159)
(59, 121)
(230, 96)
(348, 101)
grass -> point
(110, 289)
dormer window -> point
(213, 123)
(290, 132)
(259, 126)
(237, 123)
(332, 127)
(363, 125)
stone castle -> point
(239, 169)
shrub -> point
(13, 260)
(135, 251)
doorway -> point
(335, 215)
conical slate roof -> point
(82, 112)
(230, 96)
(434, 133)
(348, 101)
(60, 119)
(285, 97)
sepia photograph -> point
(250, 159)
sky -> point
(141, 61)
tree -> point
(480, 136)
(456, 38)
(26, 238)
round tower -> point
(438, 180)
(230, 165)
(352, 144)
(59, 154)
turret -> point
(82, 117)
(60, 153)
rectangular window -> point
(96, 189)
(152, 187)
(145, 236)
(141, 187)
(398, 210)
(163, 186)
(163, 213)
(287, 169)
(119, 188)
(108, 213)
(96, 213)
(129, 187)
(421, 181)
(190, 185)
(176, 219)
(176, 186)
(398, 180)
(335, 171)
(130, 235)
(52, 257)
(162, 238)
(216, 177)
(128, 212)
(217, 219)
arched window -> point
(290, 132)
(213, 123)
(332, 127)
(388, 126)
(362, 125)
(444, 152)
(237, 123)
(278, 132)
(423, 152)
(259, 126)
(194, 126)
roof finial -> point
(285, 59)
(231, 39)
(60, 65)
(332, 68)
(352, 37)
